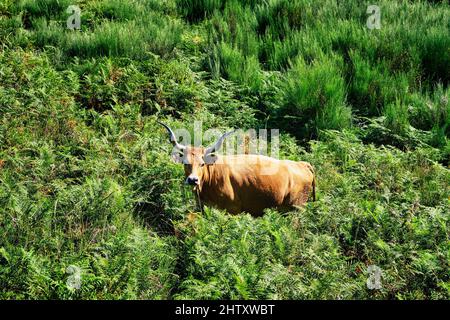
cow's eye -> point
(201, 165)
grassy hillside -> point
(87, 187)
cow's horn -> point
(218, 144)
(173, 139)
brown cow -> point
(244, 183)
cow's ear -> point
(177, 157)
(210, 158)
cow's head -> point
(194, 158)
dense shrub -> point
(64, 199)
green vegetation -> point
(86, 180)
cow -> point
(246, 182)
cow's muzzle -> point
(193, 181)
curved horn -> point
(173, 139)
(218, 144)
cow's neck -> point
(207, 173)
(211, 176)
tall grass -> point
(314, 98)
(109, 28)
(381, 66)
